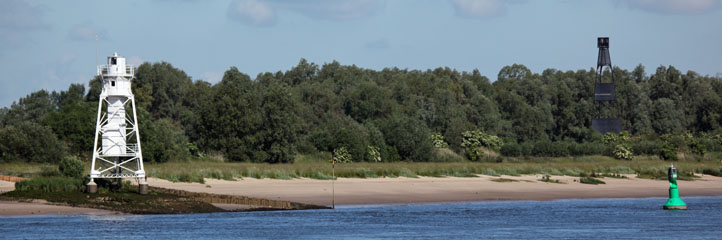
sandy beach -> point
(353, 191)
(10, 208)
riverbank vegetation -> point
(445, 122)
(319, 167)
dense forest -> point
(368, 115)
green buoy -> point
(674, 202)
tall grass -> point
(318, 167)
(51, 184)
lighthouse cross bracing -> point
(116, 146)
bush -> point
(51, 184)
(713, 172)
(341, 155)
(668, 152)
(550, 149)
(48, 171)
(590, 180)
(478, 138)
(622, 152)
(438, 140)
(71, 167)
(511, 149)
(409, 136)
(27, 141)
(646, 147)
(374, 153)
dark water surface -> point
(575, 219)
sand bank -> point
(352, 191)
(10, 208)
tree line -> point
(374, 115)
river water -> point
(573, 219)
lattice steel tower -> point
(605, 95)
(116, 130)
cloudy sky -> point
(50, 44)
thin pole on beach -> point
(333, 184)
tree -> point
(71, 167)
(280, 124)
(74, 123)
(30, 142)
(32, 108)
(231, 121)
(409, 136)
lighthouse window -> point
(112, 83)
(113, 61)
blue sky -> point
(50, 44)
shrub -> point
(374, 153)
(550, 149)
(478, 138)
(713, 172)
(51, 184)
(341, 155)
(71, 167)
(49, 171)
(438, 140)
(622, 152)
(409, 136)
(646, 147)
(590, 180)
(697, 147)
(27, 141)
(668, 152)
(511, 149)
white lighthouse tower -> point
(117, 155)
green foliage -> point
(409, 136)
(30, 142)
(71, 167)
(622, 151)
(438, 140)
(341, 155)
(548, 179)
(474, 140)
(590, 180)
(50, 171)
(161, 140)
(511, 149)
(51, 184)
(74, 123)
(374, 154)
(312, 108)
(668, 152)
(32, 108)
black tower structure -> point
(605, 95)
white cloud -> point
(482, 9)
(252, 12)
(330, 9)
(263, 12)
(674, 6)
(87, 32)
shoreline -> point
(398, 191)
(354, 191)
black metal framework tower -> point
(605, 95)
